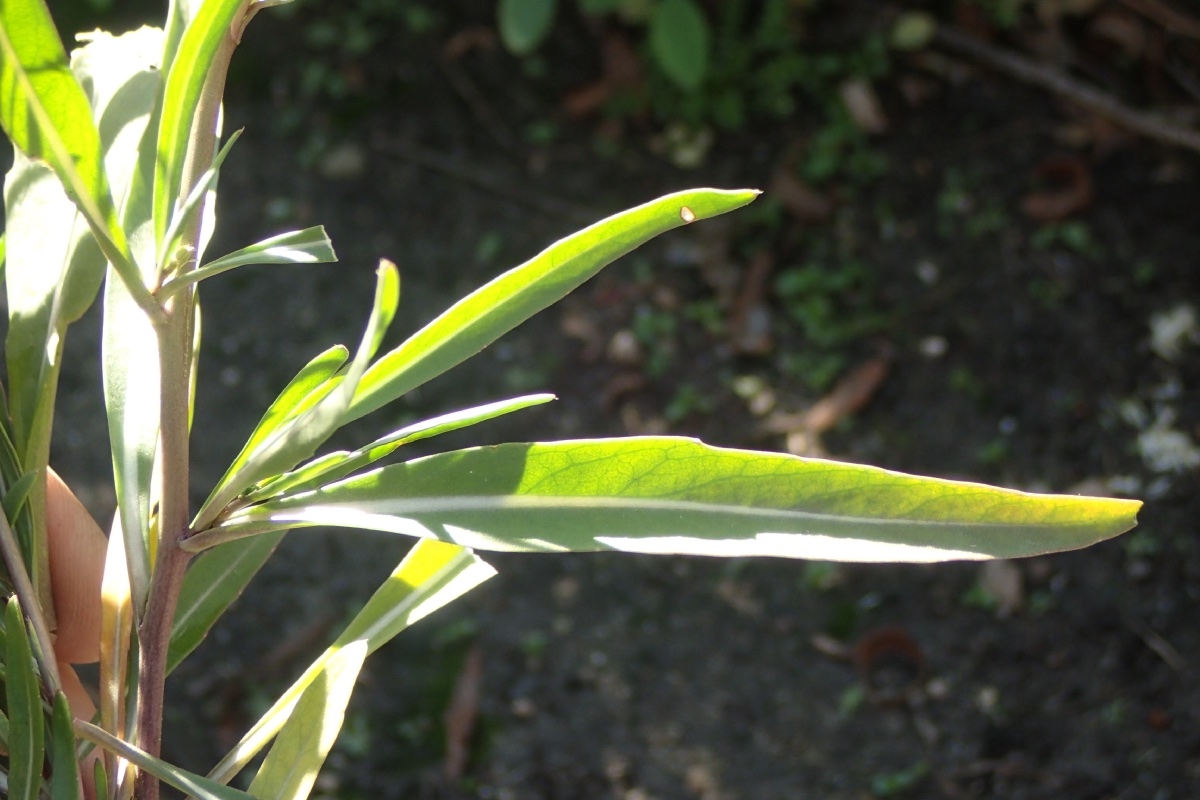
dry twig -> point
(1028, 71)
(481, 178)
(1172, 21)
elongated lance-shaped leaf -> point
(308, 246)
(496, 308)
(121, 76)
(334, 466)
(187, 72)
(193, 205)
(213, 582)
(56, 266)
(300, 436)
(132, 394)
(671, 495)
(173, 776)
(116, 629)
(290, 768)
(47, 116)
(64, 782)
(14, 499)
(25, 731)
(430, 576)
(303, 391)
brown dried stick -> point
(1171, 20)
(1028, 71)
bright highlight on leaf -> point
(430, 576)
(290, 769)
(501, 305)
(670, 495)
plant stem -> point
(175, 357)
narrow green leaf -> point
(192, 205)
(430, 576)
(334, 466)
(669, 495)
(55, 266)
(45, 111)
(309, 246)
(213, 582)
(18, 493)
(122, 78)
(132, 387)
(679, 39)
(64, 782)
(300, 436)
(185, 80)
(290, 768)
(307, 383)
(48, 117)
(100, 779)
(25, 732)
(524, 24)
(182, 780)
(496, 308)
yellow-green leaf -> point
(291, 767)
(499, 306)
(669, 495)
(430, 576)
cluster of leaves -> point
(113, 183)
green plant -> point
(116, 165)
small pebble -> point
(934, 347)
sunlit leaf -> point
(334, 466)
(201, 193)
(496, 308)
(25, 730)
(290, 768)
(182, 780)
(46, 113)
(121, 75)
(669, 495)
(679, 39)
(64, 783)
(294, 397)
(55, 266)
(309, 246)
(430, 576)
(524, 24)
(187, 72)
(300, 436)
(212, 583)
(116, 630)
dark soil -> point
(630, 677)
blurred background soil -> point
(952, 271)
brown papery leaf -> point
(890, 664)
(621, 71)
(864, 106)
(461, 715)
(1069, 193)
(849, 395)
(458, 45)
